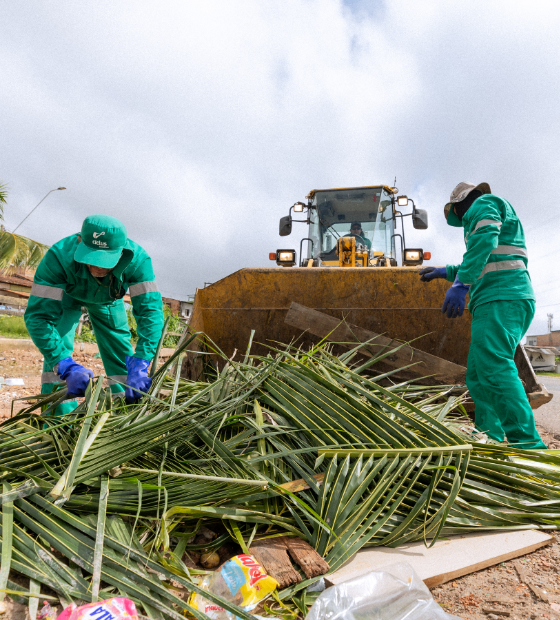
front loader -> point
(367, 278)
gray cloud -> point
(198, 124)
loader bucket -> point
(386, 300)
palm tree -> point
(17, 251)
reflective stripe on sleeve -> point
(143, 287)
(116, 379)
(47, 292)
(510, 249)
(488, 223)
(502, 266)
(51, 377)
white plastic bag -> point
(393, 593)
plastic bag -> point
(240, 580)
(118, 608)
(394, 593)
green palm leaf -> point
(342, 457)
(17, 251)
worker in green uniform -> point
(502, 303)
(94, 269)
(356, 231)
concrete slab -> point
(448, 558)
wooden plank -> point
(325, 326)
(310, 562)
(525, 370)
(448, 559)
(272, 554)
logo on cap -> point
(101, 244)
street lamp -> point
(52, 190)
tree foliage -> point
(17, 251)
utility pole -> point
(550, 317)
(56, 189)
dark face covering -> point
(462, 207)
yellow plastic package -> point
(241, 580)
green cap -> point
(102, 241)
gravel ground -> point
(498, 592)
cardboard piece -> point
(448, 559)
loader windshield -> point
(338, 212)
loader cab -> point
(334, 212)
(333, 239)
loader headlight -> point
(286, 258)
(413, 257)
(402, 201)
(298, 207)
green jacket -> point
(62, 282)
(495, 263)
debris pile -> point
(299, 458)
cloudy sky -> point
(199, 123)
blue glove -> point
(432, 273)
(137, 377)
(76, 376)
(454, 302)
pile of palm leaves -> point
(108, 500)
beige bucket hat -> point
(460, 192)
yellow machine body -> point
(386, 300)
(381, 298)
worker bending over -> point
(94, 269)
(502, 304)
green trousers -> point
(110, 325)
(501, 405)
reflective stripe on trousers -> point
(142, 287)
(502, 266)
(51, 377)
(116, 379)
(47, 292)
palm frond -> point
(17, 251)
(298, 443)
(3, 199)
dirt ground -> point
(496, 592)
(17, 361)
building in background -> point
(14, 292)
(552, 339)
(186, 308)
(182, 309)
(16, 285)
(543, 359)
